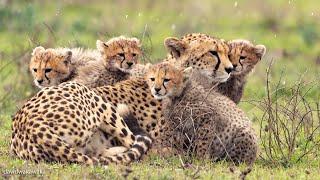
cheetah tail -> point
(141, 145)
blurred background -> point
(290, 29)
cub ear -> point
(147, 66)
(187, 72)
(37, 50)
(260, 50)
(136, 40)
(175, 46)
(101, 45)
(67, 57)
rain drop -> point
(173, 26)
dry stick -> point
(311, 137)
(145, 34)
(296, 129)
(275, 118)
(181, 161)
(214, 86)
(269, 104)
(307, 152)
(277, 134)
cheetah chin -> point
(159, 97)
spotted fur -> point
(207, 124)
(107, 65)
(58, 123)
(243, 55)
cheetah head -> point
(244, 55)
(165, 80)
(120, 52)
(207, 56)
(49, 66)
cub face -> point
(165, 80)
(244, 55)
(49, 67)
(120, 53)
(208, 56)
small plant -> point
(290, 124)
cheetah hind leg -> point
(55, 149)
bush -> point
(290, 124)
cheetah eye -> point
(47, 70)
(152, 79)
(121, 55)
(34, 70)
(134, 54)
(242, 57)
(214, 53)
(166, 80)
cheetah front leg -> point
(164, 140)
(114, 124)
(102, 144)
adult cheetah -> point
(59, 121)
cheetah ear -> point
(37, 50)
(175, 46)
(187, 72)
(136, 40)
(260, 50)
(67, 57)
(147, 66)
(101, 45)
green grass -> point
(289, 29)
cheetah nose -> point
(229, 69)
(40, 81)
(130, 64)
(157, 89)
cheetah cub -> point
(244, 56)
(209, 123)
(107, 65)
(50, 67)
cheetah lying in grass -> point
(58, 123)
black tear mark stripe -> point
(240, 57)
(219, 62)
(124, 54)
(165, 73)
(45, 74)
